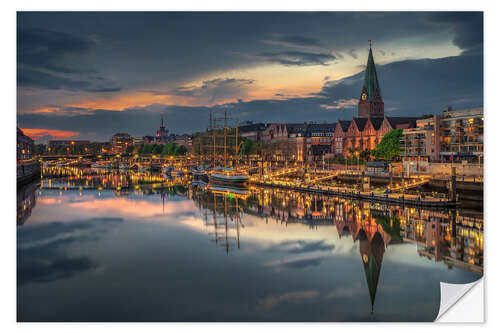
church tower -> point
(370, 103)
(162, 133)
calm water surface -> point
(87, 253)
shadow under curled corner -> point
(461, 302)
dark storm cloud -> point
(49, 59)
(47, 49)
(414, 87)
(141, 50)
(297, 58)
(467, 28)
(43, 80)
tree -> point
(164, 151)
(157, 149)
(147, 149)
(171, 148)
(248, 147)
(180, 150)
(129, 149)
(389, 146)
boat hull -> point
(233, 180)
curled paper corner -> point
(461, 302)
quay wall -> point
(468, 170)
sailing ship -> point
(225, 175)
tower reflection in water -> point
(453, 237)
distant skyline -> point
(89, 75)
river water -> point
(117, 247)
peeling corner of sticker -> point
(455, 306)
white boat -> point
(226, 176)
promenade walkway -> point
(393, 198)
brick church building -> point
(366, 131)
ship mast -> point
(222, 128)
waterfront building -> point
(461, 135)
(251, 131)
(182, 140)
(24, 146)
(67, 146)
(453, 136)
(339, 136)
(286, 142)
(319, 139)
(67, 143)
(137, 141)
(420, 145)
(120, 142)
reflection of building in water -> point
(467, 245)
(457, 240)
(356, 221)
(26, 201)
(88, 178)
(291, 207)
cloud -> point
(297, 262)
(467, 28)
(353, 54)
(44, 80)
(270, 302)
(294, 41)
(297, 58)
(408, 88)
(49, 49)
(341, 104)
(301, 246)
(211, 91)
(48, 134)
(43, 252)
(347, 292)
(51, 60)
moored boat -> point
(232, 177)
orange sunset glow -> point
(38, 133)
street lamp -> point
(357, 155)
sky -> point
(89, 75)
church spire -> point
(370, 103)
(370, 84)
